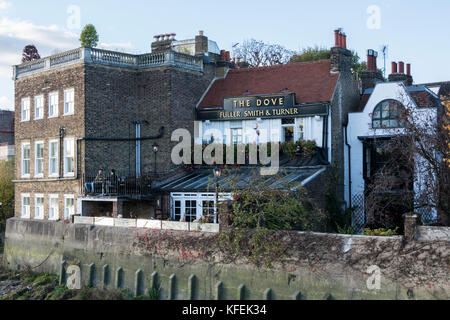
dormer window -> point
(387, 114)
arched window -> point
(387, 114)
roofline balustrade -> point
(108, 58)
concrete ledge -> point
(433, 233)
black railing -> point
(115, 186)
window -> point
(387, 114)
(53, 105)
(236, 132)
(208, 207)
(69, 157)
(53, 158)
(38, 107)
(69, 207)
(39, 159)
(69, 101)
(301, 128)
(39, 206)
(190, 210)
(25, 109)
(25, 159)
(25, 206)
(288, 129)
(177, 210)
(53, 212)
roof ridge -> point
(283, 65)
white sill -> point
(38, 218)
(69, 114)
(25, 120)
(39, 176)
(55, 175)
(69, 175)
(26, 176)
(39, 118)
(50, 117)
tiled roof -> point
(310, 81)
(424, 99)
(362, 104)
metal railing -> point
(110, 58)
(115, 186)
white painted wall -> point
(360, 124)
(270, 130)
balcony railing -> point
(115, 186)
(110, 58)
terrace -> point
(108, 58)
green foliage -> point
(89, 36)
(154, 292)
(258, 211)
(6, 192)
(381, 232)
(339, 220)
(311, 54)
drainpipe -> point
(138, 149)
(349, 167)
(61, 133)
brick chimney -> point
(201, 44)
(371, 76)
(163, 42)
(399, 75)
(340, 56)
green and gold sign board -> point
(253, 107)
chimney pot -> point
(394, 67)
(401, 67)
(336, 38)
(200, 33)
(344, 41)
(408, 69)
(227, 56)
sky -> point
(415, 31)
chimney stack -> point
(163, 42)
(201, 44)
(340, 56)
(371, 76)
(399, 75)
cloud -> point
(4, 5)
(5, 103)
(16, 34)
(118, 46)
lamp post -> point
(217, 174)
(155, 149)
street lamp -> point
(217, 174)
(155, 149)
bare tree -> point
(415, 176)
(256, 53)
(30, 53)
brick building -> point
(90, 109)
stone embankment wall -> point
(189, 265)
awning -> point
(203, 180)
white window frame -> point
(41, 105)
(41, 207)
(199, 197)
(25, 106)
(67, 173)
(50, 95)
(23, 174)
(67, 112)
(25, 209)
(56, 173)
(67, 215)
(36, 173)
(50, 212)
